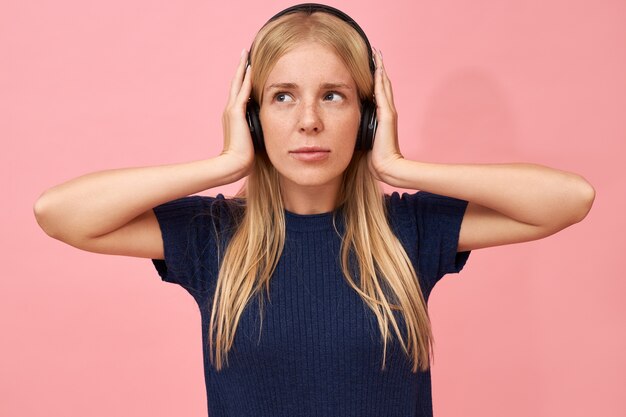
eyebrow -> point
(294, 86)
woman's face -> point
(310, 100)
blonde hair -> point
(257, 243)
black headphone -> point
(365, 135)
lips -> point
(307, 149)
(310, 154)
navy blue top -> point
(320, 350)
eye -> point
(333, 96)
(282, 97)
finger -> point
(246, 88)
(388, 89)
(377, 59)
(235, 84)
(386, 83)
(380, 93)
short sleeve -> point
(191, 228)
(429, 226)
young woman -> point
(347, 270)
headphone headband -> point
(310, 8)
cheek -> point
(273, 128)
(274, 132)
(350, 129)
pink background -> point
(534, 329)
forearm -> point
(100, 202)
(532, 194)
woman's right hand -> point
(238, 145)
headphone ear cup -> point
(365, 136)
(254, 123)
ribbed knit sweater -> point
(319, 352)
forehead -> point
(310, 62)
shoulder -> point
(197, 212)
(422, 204)
(232, 207)
(220, 212)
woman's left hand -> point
(385, 155)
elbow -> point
(40, 210)
(574, 204)
(585, 195)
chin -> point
(304, 179)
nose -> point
(310, 120)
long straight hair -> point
(386, 279)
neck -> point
(313, 199)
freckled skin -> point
(310, 114)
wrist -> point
(394, 173)
(234, 167)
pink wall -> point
(534, 329)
